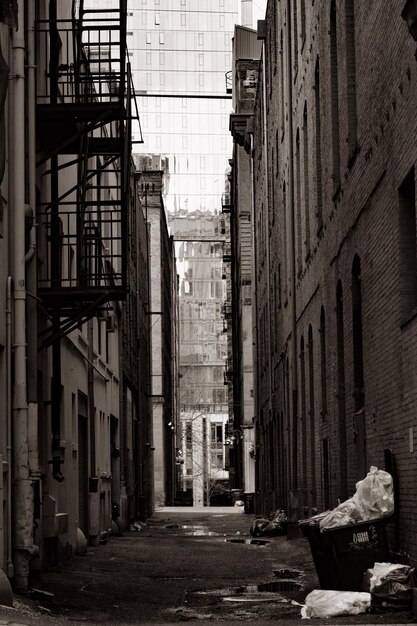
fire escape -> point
(84, 117)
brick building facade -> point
(335, 255)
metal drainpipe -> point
(255, 326)
(23, 491)
(31, 254)
(293, 348)
(10, 568)
(267, 234)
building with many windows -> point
(334, 175)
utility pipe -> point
(293, 300)
(255, 326)
(10, 568)
(266, 222)
(31, 253)
(23, 492)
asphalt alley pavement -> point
(184, 566)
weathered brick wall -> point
(360, 217)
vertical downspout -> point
(267, 233)
(255, 325)
(293, 349)
(23, 491)
(31, 254)
(10, 568)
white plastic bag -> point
(326, 603)
(374, 498)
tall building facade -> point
(203, 352)
(181, 52)
(334, 166)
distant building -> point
(238, 208)
(199, 240)
(180, 55)
(161, 312)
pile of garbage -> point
(373, 499)
(386, 587)
(274, 525)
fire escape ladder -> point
(84, 121)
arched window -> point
(351, 75)
(303, 415)
(313, 459)
(319, 186)
(306, 167)
(334, 79)
(298, 202)
(323, 364)
(341, 398)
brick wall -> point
(371, 142)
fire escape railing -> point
(84, 118)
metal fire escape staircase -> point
(84, 117)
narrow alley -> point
(185, 565)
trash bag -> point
(328, 603)
(374, 499)
(390, 585)
(258, 525)
(275, 525)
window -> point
(202, 162)
(221, 20)
(334, 89)
(358, 391)
(306, 168)
(341, 401)
(298, 202)
(148, 79)
(303, 416)
(323, 364)
(201, 80)
(144, 18)
(157, 19)
(161, 38)
(351, 75)
(201, 59)
(408, 244)
(184, 121)
(319, 187)
(183, 19)
(200, 39)
(162, 79)
(148, 37)
(148, 58)
(312, 415)
(162, 58)
(184, 103)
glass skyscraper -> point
(180, 54)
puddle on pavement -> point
(253, 542)
(287, 573)
(264, 592)
(198, 531)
